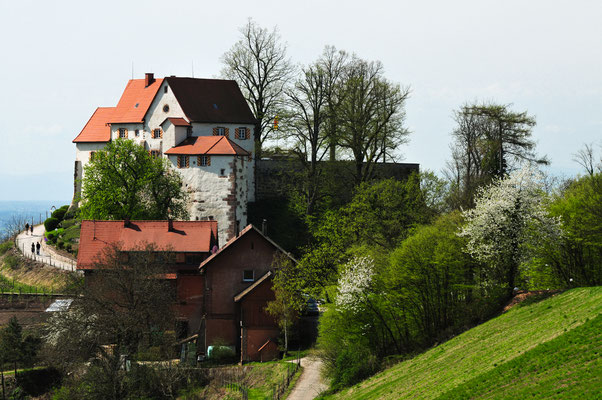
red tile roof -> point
(186, 236)
(135, 101)
(211, 100)
(211, 145)
(177, 121)
(97, 130)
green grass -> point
(10, 286)
(470, 356)
(567, 367)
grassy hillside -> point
(504, 352)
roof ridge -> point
(214, 144)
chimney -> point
(149, 78)
(264, 227)
(169, 225)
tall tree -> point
(288, 302)
(124, 181)
(507, 223)
(369, 116)
(311, 112)
(259, 64)
(490, 140)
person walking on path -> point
(27, 228)
(31, 228)
(33, 249)
(38, 248)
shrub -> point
(352, 366)
(60, 244)
(51, 223)
(59, 214)
(67, 223)
(4, 247)
(11, 261)
(68, 247)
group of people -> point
(35, 248)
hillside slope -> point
(473, 354)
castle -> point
(204, 127)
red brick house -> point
(220, 301)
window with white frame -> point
(157, 133)
(242, 133)
(221, 131)
(123, 133)
(203, 161)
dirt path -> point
(310, 383)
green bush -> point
(4, 247)
(11, 261)
(60, 244)
(59, 214)
(51, 223)
(68, 247)
(353, 365)
(67, 223)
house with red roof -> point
(202, 126)
(221, 294)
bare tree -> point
(259, 64)
(369, 116)
(126, 299)
(310, 110)
(585, 158)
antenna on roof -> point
(192, 62)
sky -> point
(62, 59)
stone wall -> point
(273, 178)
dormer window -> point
(157, 133)
(123, 133)
(248, 275)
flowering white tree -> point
(354, 283)
(508, 221)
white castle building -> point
(203, 126)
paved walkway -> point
(310, 383)
(47, 255)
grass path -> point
(481, 349)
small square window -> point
(165, 89)
(156, 133)
(221, 131)
(123, 133)
(203, 161)
(137, 132)
(248, 275)
(242, 133)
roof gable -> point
(210, 145)
(96, 129)
(211, 100)
(245, 231)
(185, 236)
